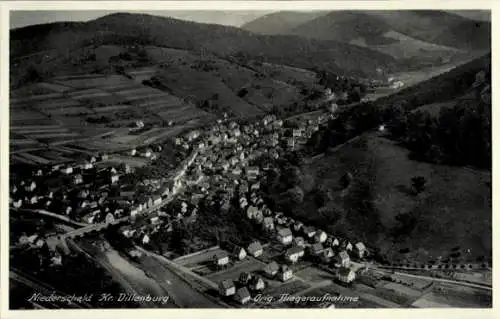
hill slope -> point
(280, 22)
(140, 29)
(454, 210)
(399, 33)
(444, 87)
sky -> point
(232, 18)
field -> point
(455, 207)
(313, 274)
(245, 89)
(445, 296)
(58, 112)
(407, 47)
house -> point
(293, 254)
(309, 231)
(285, 273)
(109, 218)
(33, 200)
(135, 210)
(285, 236)
(155, 220)
(297, 226)
(243, 202)
(333, 242)
(251, 212)
(236, 171)
(157, 199)
(271, 269)
(77, 179)
(242, 295)
(255, 249)
(299, 241)
(133, 152)
(256, 283)
(17, 203)
(320, 236)
(348, 246)
(268, 224)
(67, 170)
(30, 186)
(114, 179)
(316, 249)
(343, 259)
(56, 259)
(239, 252)
(327, 254)
(297, 132)
(346, 275)
(252, 172)
(255, 186)
(244, 278)
(145, 239)
(360, 249)
(258, 217)
(221, 258)
(227, 288)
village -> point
(93, 191)
(219, 170)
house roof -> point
(298, 239)
(255, 280)
(284, 268)
(294, 250)
(344, 271)
(317, 247)
(221, 254)
(243, 292)
(360, 246)
(343, 254)
(226, 284)
(255, 246)
(284, 232)
(271, 267)
(308, 229)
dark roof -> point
(243, 292)
(343, 254)
(344, 271)
(226, 284)
(255, 246)
(221, 254)
(271, 267)
(284, 232)
(294, 250)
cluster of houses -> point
(299, 241)
(89, 191)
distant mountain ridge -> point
(142, 29)
(433, 26)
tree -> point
(242, 92)
(418, 183)
(322, 195)
(345, 180)
(292, 176)
(296, 195)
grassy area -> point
(454, 210)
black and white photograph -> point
(249, 159)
